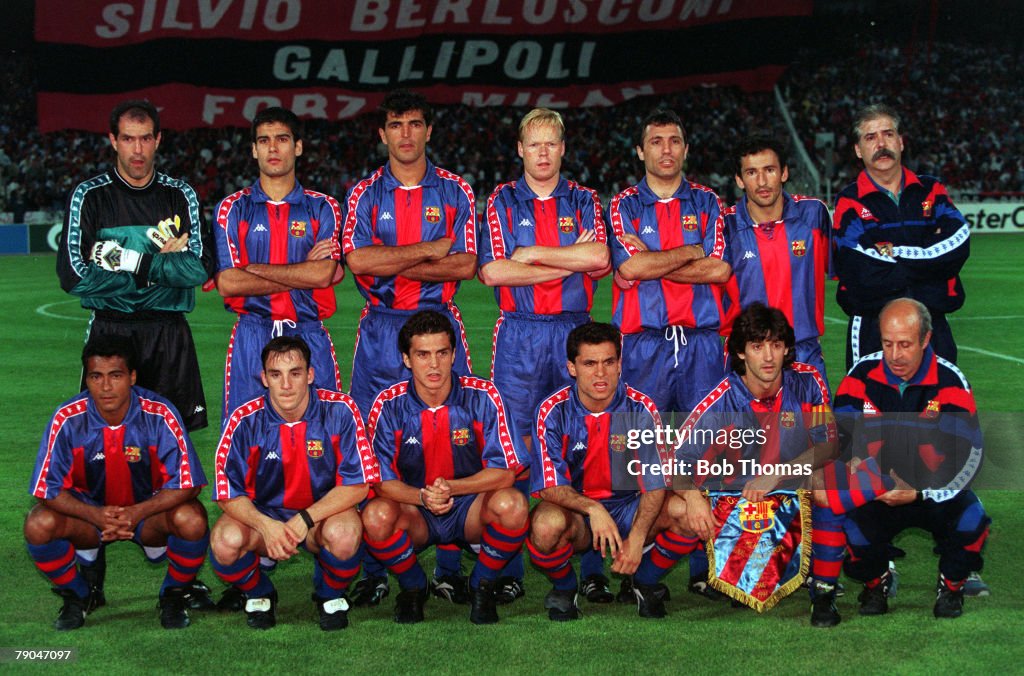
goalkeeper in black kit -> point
(133, 248)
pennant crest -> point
(761, 553)
(884, 248)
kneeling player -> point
(588, 481)
(448, 455)
(291, 468)
(787, 404)
(115, 464)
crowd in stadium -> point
(963, 123)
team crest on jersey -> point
(932, 409)
(757, 517)
(298, 229)
(926, 208)
(618, 442)
(432, 214)
(460, 436)
(566, 224)
(132, 453)
(884, 248)
(799, 247)
(689, 222)
(315, 448)
(787, 419)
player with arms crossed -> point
(115, 464)
(777, 245)
(542, 250)
(409, 239)
(448, 456)
(591, 499)
(133, 248)
(277, 258)
(292, 466)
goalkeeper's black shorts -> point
(166, 354)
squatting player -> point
(409, 238)
(133, 248)
(777, 245)
(590, 498)
(115, 464)
(291, 468)
(914, 413)
(448, 456)
(543, 248)
(766, 389)
(277, 257)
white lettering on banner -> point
(314, 105)
(593, 97)
(524, 60)
(371, 16)
(993, 216)
(119, 19)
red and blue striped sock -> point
(332, 576)
(668, 549)
(557, 566)
(56, 560)
(398, 556)
(828, 544)
(245, 574)
(448, 560)
(184, 559)
(497, 547)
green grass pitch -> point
(43, 331)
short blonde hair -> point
(542, 116)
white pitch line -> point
(987, 353)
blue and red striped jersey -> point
(122, 465)
(284, 465)
(692, 216)
(730, 424)
(253, 229)
(416, 444)
(883, 250)
(517, 217)
(925, 429)
(380, 210)
(592, 452)
(782, 264)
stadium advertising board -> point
(993, 216)
(214, 63)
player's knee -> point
(188, 520)
(510, 507)
(226, 541)
(675, 510)
(41, 524)
(379, 518)
(546, 529)
(341, 537)
(820, 497)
